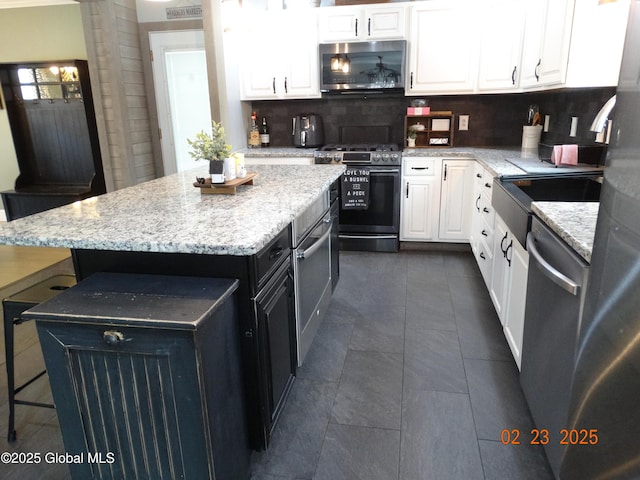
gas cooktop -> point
(359, 153)
(360, 147)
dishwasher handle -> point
(554, 275)
(306, 253)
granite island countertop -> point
(170, 215)
(577, 230)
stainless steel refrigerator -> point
(604, 414)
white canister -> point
(531, 137)
(229, 169)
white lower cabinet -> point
(456, 198)
(508, 286)
(420, 204)
(436, 199)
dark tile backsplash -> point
(495, 120)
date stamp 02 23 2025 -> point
(540, 436)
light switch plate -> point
(463, 122)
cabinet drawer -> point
(487, 186)
(486, 209)
(418, 166)
(483, 181)
(479, 176)
(484, 257)
(485, 233)
(271, 256)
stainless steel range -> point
(372, 221)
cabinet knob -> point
(112, 338)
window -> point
(54, 82)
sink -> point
(568, 189)
(512, 197)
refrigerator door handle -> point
(554, 275)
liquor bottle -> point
(264, 133)
(253, 137)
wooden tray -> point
(226, 188)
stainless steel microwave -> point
(362, 66)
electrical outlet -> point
(573, 131)
(463, 122)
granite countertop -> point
(278, 152)
(494, 159)
(170, 215)
(577, 230)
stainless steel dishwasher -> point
(555, 297)
(311, 270)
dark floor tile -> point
(425, 267)
(326, 356)
(343, 309)
(461, 264)
(480, 333)
(297, 440)
(429, 306)
(385, 291)
(432, 361)
(349, 290)
(496, 398)
(469, 290)
(524, 462)
(266, 476)
(359, 453)
(438, 439)
(379, 329)
(370, 390)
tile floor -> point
(409, 377)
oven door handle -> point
(307, 252)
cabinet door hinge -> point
(160, 133)
(151, 55)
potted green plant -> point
(212, 147)
(411, 137)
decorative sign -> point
(179, 13)
(355, 188)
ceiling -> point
(33, 3)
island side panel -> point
(87, 262)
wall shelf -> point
(437, 132)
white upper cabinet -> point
(443, 47)
(280, 56)
(501, 40)
(597, 41)
(362, 23)
(547, 37)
